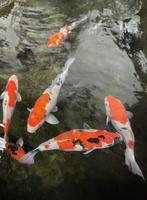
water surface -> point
(109, 61)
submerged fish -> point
(10, 96)
(116, 112)
(46, 103)
(58, 38)
(75, 140)
(12, 150)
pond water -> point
(110, 50)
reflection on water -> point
(110, 52)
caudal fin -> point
(68, 63)
(79, 22)
(60, 78)
(28, 158)
(132, 164)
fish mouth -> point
(13, 77)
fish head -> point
(15, 151)
(56, 40)
(115, 110)
(51, 43)
(13, 79)
(109, 100)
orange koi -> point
(76, 140)
(10, 96)
(12, 150)
(46, 103)
(117, 114)
(58, 38)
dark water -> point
(108, 61)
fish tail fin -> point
(60, 78)
(69, 63)
(132, 164)
(28, 158)
(79, 22)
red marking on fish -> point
(46, 146)
(66, 140)
(39, 110)
(130, 144)
(11, 89)
(6, 126)
(117, 110)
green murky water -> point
(109, 60)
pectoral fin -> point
(86, 126)
(51, 119)
(55, 109)
(129, 114)
(29, 109)
(19, 97)
(20, 142)
(2, 95)
(107, 121)
(89, 151)
(2, 125)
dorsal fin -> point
(86, 126)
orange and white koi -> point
(58, 38)
(46, 103)
(117, 113)
(75, 140)
(12, 150)
(10, 96)
(15, 151)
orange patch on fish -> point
(17, 154)
(39, 110)
(11, 89)
(130, 144)
(117, 110)
(56, 39)
(88, 139)
(66, 145)
(46, 146)
(6, 126)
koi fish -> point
(15, 151)
(10, 96)
(12, 150)
(75, 140)
(58, 38)
(46, 103)
(117, 113)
